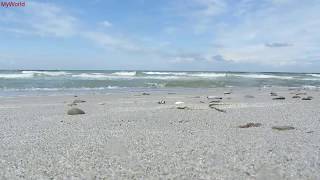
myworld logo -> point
(8, 4)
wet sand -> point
(132, 136)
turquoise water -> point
(24, 81)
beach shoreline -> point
(165, 134)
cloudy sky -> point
(229, 35)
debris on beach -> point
(307, 98)
(212, 106)
(183, 107)
(145, 94)
(220, 110)
(214, 97)
(76, 101)
(162, 102)
(279, 98)
(228, 92)
(273, 94)
(75, 111)
(215, 101)
(282, 128)
(248, 125)
(296, 97)
(301, 93)
(179, 102)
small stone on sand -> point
(183, 107)
(296, 96)
(102, 103)
(162, 102)
(145, 94)
(273, 94)
(214, 97)
(227, 92)
(282, 128)
(78, 101)
(307, 98)
(248, 125)
(75, 111)
(279, 98)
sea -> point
(25, 82)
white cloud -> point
(106, 24)
(42, 19)
(291, 26)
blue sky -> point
(228, 35)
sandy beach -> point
(132, 136)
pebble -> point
(78, 101)
(282, 128)
(162, 102)
(296, 96)
(145, 94)
(279, 98)
(75, 111)
(307, 98)
(183, 107)
(214, 97)
(248, 125)
(273, 94)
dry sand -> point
(131, 136)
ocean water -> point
(65, 81)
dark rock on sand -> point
(307, 98)
(78, 101)
(145, 94)
(162, 102)
(273, 94)
(212, 106)
(75, 111)
(279, 98)
(248, 125)
(296, 96)
(214, 97)
(183, 107)
(282, 128)
(215, 101)
(228, 92)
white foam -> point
(314, 75)
(262, 76)
(90, 76)
(123, 73)
(47, 73)
(208, 75)
(15, 76)
(166, 73)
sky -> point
(185, 35)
